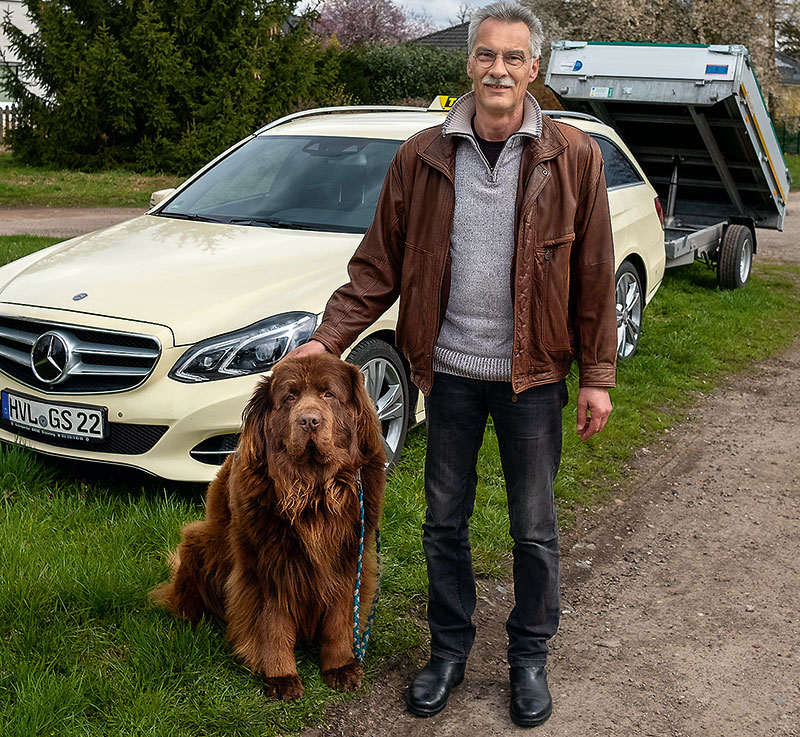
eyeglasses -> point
(512, 60)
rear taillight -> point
(660, 212)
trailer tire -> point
(735, 257)
(630, 303)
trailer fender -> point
(747, 222)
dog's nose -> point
(309, 421)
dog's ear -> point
(254, 440)
(368, 427)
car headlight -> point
(251, 350)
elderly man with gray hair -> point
(493, 230)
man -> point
(493, 229)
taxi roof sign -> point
(442, 103)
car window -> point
(618, 169)
(316, 182)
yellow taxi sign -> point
(442, 102)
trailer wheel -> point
(735, 257)
(630, 302)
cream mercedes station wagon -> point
(140, 344)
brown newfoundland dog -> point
(275, 558)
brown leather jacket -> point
(562, 276)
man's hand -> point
(312, 348)
(594, 407)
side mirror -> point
(159, 196)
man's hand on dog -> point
(594, 407)
(312, 348)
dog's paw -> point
(347, 678)
(284, 688)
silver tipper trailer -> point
(694, 118)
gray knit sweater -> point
(475, 339)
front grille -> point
(122, 438)
(101, 360)
(214, 451)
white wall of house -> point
(19, 18)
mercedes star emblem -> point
(50, 357)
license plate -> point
(56, 419)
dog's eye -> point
(290, 398)
(328, 395)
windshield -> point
(304, 182)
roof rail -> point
(394, 109)
(340, 109)
(571, 114)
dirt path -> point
(62, 222)
(681, 598)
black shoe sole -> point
(533, 722)
(417, 712)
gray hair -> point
(508, 12)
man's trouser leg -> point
(456, 413)
(528, 427)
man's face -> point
(500, 90)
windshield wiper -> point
(190, 216)
(276, 223)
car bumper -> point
(153, 427)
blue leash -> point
(360, 640)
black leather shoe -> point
(531, 704)
(427, 695)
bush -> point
(376, 75)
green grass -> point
(83, 651)
(22, 186)
(793, 162)
(13, 247)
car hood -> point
(199, 279)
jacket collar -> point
(459, 119)
(440, 150)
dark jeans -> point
(528, 428)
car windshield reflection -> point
(321, 183)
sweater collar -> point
(459, 119)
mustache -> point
(504, 81)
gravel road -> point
(62, 222)
(680, 597)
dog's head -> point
(315, 412)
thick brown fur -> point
(275, 558)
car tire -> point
(387, 385)
(735, 257)
(630, 304)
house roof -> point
(451, 38)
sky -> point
(443, 12)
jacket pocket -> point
(418, 304)
(553, 264)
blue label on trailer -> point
(715, 69)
